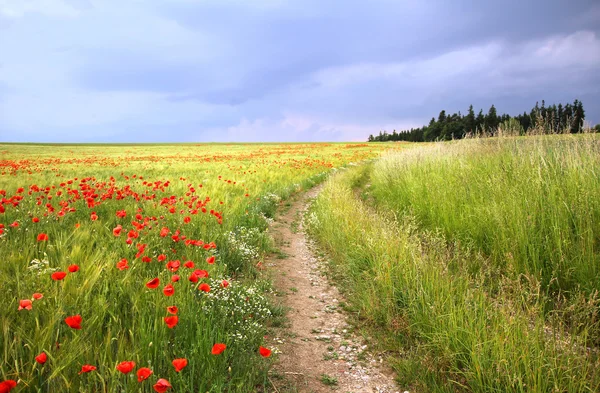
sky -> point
(274, 70)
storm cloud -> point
(224, 70)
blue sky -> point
(305, 70)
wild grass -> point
(437, 260)
(123, 320)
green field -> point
(476, 262)
(116, 217)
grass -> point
(439, 260)
(218, 196)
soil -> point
(317, 349)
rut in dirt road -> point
(318, 351)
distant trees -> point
(551, 119)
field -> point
(474, 265)
(134, 268)
(475, 262)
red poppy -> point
(264, 352)
(175, 278)
(93, 216)
(164, 232)
(204, 287)
(143, 374)
(172, 310)
(73, 268)
(35, 219)
(121, 213)
(123, 264)
(117, 230)
(152, 284)
(224, 283)
(210, 260)
(201, 273)
(171, 321)
(193, 278)
(161, 257)
(57, 276)
(187, 219)
(41, 358)
(15, 224)
(77, 225)
(180, 364)
(173, 265)
(38, 296)
(146, 259)
(74, 321)
(42, 237)
(162, 385)
(8, 385)
(168, 290)
(86, 368)
(189, 264)
(25, 304)
(126, 367)
(218, 348)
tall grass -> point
(458, 319)
(531, 204)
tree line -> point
(544, 119)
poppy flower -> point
(152, 284)
(224, 283)
(73, 268)
(7, 386)
(15, 224)
(35, 219)
(162, 385)
(77, 225)
(171, 321)
(189, 264)
(25, 304)
(121, 213)
(172, 310)
(42, 237)
(123, 264)
(146, 259)
(38, 296)
(57, 276)
(201, 273)
(164, 232)
(218, 348)
(210, 260)
(264, 352)
(168, 290)
(143, 374)
(193, 278)
(93, 216)
(117, 230)
(180, 364)
(41, 358)
(173, 265)
(74, 321)
(204, 287)
(161, 257)
(187, 219)
(126, 367)
(86, 368)
(175, 277)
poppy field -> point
(136, 268)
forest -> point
(551, 119)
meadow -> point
(475, 263)
(134, 267)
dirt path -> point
(318, 351)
